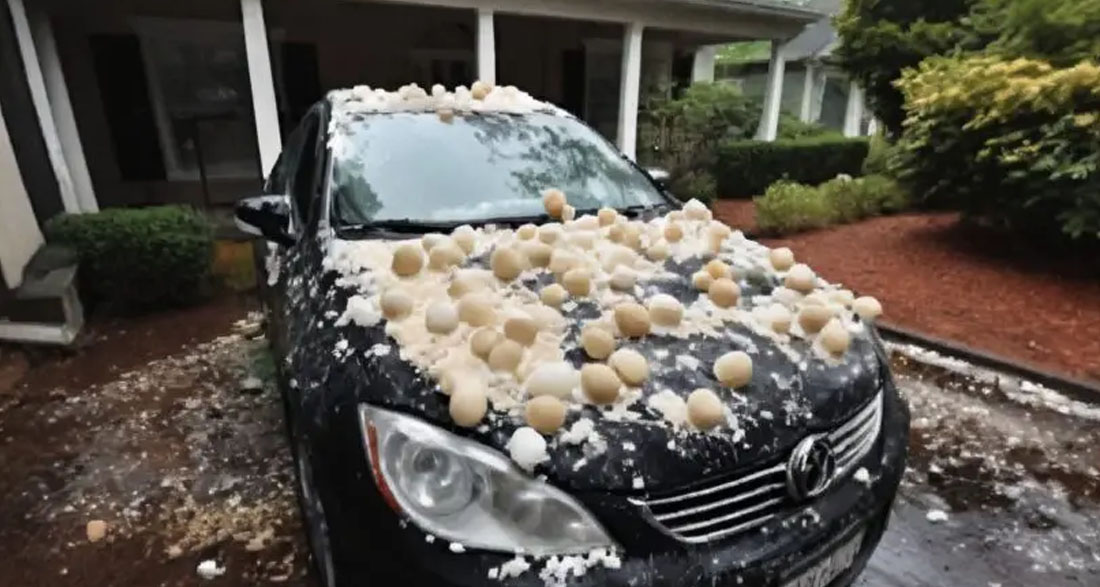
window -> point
(202, 106)
(413, 166)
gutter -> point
(1079, 389)
(762, 7)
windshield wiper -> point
(403, 225)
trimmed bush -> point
(682, 135)
(788, 206)
(1016, 143)
(747, 168)
(134, 259)
(695, 184)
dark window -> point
(295, 171)
(299, 81)
(124, 91)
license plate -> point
(829, 568)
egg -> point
(506, 263)
(465, 237)
(781, 258)
(408, 260)
(632, 319)
(704, 409)
(505, 356)
(554, 202)
(468, 405)
(630, 365)
(673, 232)
(867, 307)
(812, 318)
(622, 278)
(724, 293)
(701, 280)
(441, 318)
(597, 342)
(800, 278)
(600, 383)
(577, 282)
(527, 232)
(718, 269)
(555, 378)
(553, 295)
(733, 369)
(545, 413)
(522, 329)
(834, 338)
(665, 310)
(483, 340)
(477, 309)
(396, 304)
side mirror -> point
(266, 216)
(659, 176)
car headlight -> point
(463, 492)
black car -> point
(792, 488)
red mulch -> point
(937, 275)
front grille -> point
(730, 505)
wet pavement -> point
(1015, 468)
(183, 457)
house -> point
(814, 87)
(139, 102)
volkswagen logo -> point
(811, 468)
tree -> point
(880, 38)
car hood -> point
(793, 392)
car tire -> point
(313, 515)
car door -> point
(294, 176)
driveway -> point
(170, 431)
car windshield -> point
(417, 167)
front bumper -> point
(374, 546)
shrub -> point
(1016, 142)
(138, 259)
(695, 184)
(879, 151)
(682, 135)
(747, 168)
(880, 38)
(788, 206)
(1062, 32)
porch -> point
(145, 102)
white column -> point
(263, 85)
(872, 127)
(773, 95)
(40, 97)
(630, 82)
(62, 109)
(853, 114)
(19, 234)
(702, 67)
(806, 111)
(486, 47)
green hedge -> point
(747, 168)
(1013, 142)
(138, 259)
(788, 206)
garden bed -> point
(940, 277)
